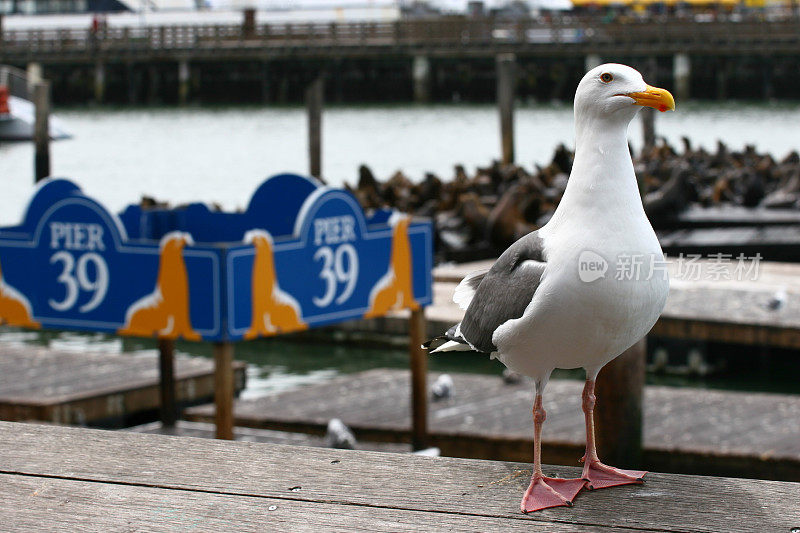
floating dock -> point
(62, 387)
(685, 430)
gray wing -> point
(504, 292)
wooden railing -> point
(453, 32)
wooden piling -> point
(249, 23)
(166, 363)
(421, 72)
(618, 415)
(682, 72)
(153, 85)
(34, 74)
(506, 81)
(184, 80)
(722, 79)
(41, 130)
(99, 82)
(266, 88)
(591, 61)
(648, 114)
(223, 389)
(314, 101)
(419, 379)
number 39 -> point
(78, 278)
(336, 270)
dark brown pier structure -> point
(439, 59)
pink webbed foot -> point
(600, 476)
(546, 492)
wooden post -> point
(34, 75)
(648, 113)
(265, 85)
(722, 78)
(682, 72)
(166, 363)
(314, 99)
(591, 61)
(618, 414)
(419, 380)
(421, 72)
(249, 22)
(505, 101)
(41, 130)
(184, 78)
(223, 389)
(99, 82)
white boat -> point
(17, 112)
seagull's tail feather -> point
(452, 346)
(452, 341)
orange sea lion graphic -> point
(274, 311)
(15, 309)
(394, 290)
(165, 312)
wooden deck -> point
(38, 383)
(704, 309)
(78, 479)
(685, 430)
(207, 430)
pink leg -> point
(545, 492)
(596, 474)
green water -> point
(222, 154)
(278, 364)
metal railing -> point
(440, 32)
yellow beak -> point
(660, 99)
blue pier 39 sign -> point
(301, 255)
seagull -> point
(442, 388)
(339, 435)
(556, 298)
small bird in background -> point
(777, 300)
(442, 388)
(553, 299)
(510, 377)
(339, 435)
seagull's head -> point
(618, 91)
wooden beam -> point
(618, 415)
(314, 101)
(419, 379)
(506, 88)
(223, 389)
(166, 364)
(41, 130)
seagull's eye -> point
(606, 77)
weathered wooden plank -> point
(714, 431)
(185, 428)
(389, 481)
(36, 503)
(37, 383)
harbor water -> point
(221, 154)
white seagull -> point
(564, 296)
